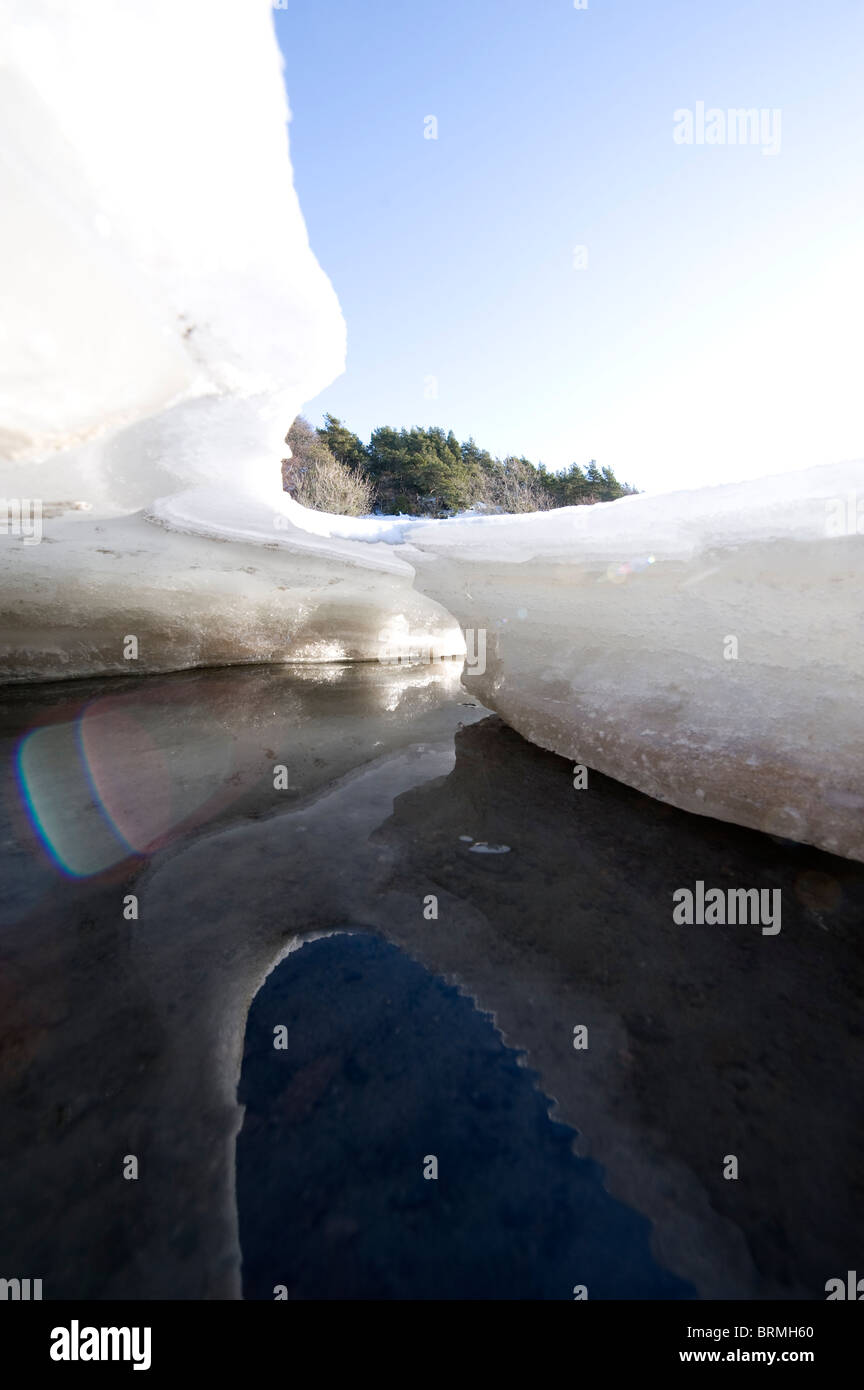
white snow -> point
(165, 320)
(155, 266)
(636, 530)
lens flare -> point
(119, 779)
(63, 806)
(621, 572)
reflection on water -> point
(122, 768)
(386, 1074)
(122, 1029)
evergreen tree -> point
(427, 470)
(343, 445)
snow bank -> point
(164, 321)
(155, 266)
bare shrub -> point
(513, 486)
(329, 486)
(316, 479)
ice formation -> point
(703, 647)
(163, 312)
(166, 322)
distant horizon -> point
(624, 235)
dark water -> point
(385, 1067)
(131, 1033)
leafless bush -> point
(328, 486)
(317, 480)
(513, 486)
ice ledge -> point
(703, 647)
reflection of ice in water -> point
(134, 770)
(324, 675)
(323, 651)
(446, 674)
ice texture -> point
(164, 322)
(71, 602)
(704, 646)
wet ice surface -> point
(126, 1036)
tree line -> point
(428, 472)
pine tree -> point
(348, 448)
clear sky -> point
(716, 331)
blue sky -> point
(715, 332)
